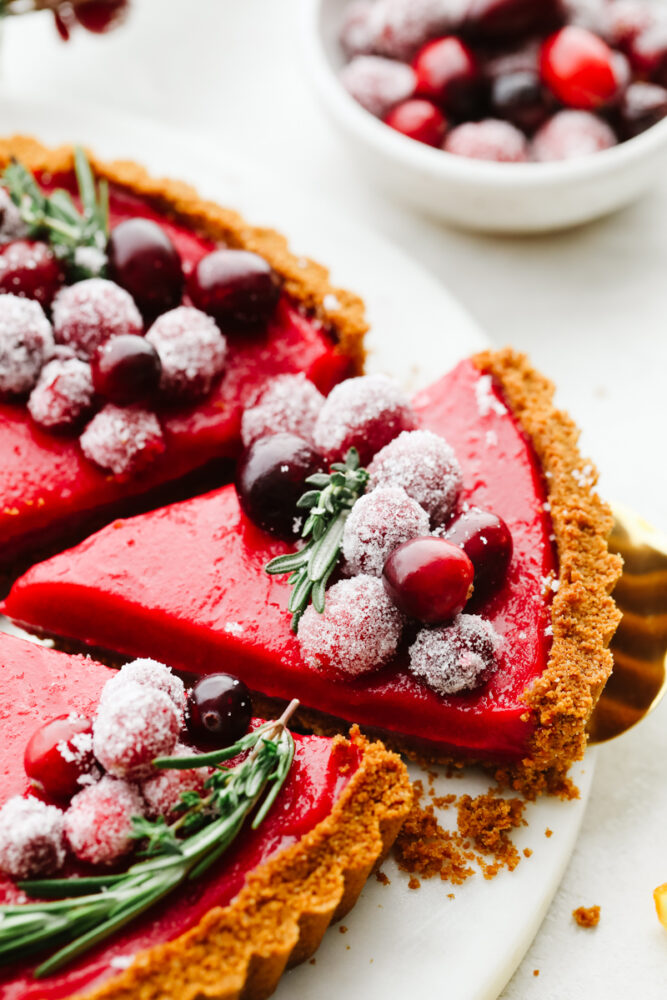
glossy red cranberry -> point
(487, 541)
(100, 16)
(144, 261)
(448, 74)
(648, 53)
(420, 120)
(126, 369)
(521, 99)
(63, 19)
(643, 105)
(509, 19)
(31, 270)
(579, 69)
(218, 711)
(58, 754)
(428, 579)
(270, 478)
(235, 287)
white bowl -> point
(495, 197)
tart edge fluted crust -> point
(305, 281)
(281, 914)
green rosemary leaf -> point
(288, 563)
(300, 594)
(328, 550)
(308, 500)
(318, 479)
(159, 838)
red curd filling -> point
(46, 684)
(48, 487)
(187, 584)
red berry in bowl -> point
(377, 83)
(487, 541)
(629, 18)
(100, 16)
(648, 53)
(428, 579)
(59, 756)
(218, 711)
(30, 269)
(237, 288)
(521, 98)
(420, 120)
(491, 139)
(270, 478)
(126, 369)
(643, 105)
(447, 73)
(579, 69)
(570, 134)
(400, 27)
(144, 261)
(506, 19)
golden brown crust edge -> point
(281, 914)
(584, 616)
(304, 280)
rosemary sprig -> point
(79, 238)
(85, 911)
(329, 504)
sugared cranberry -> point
(31, 270)
(521, 99)
(500, 19)
(590, 14)
(90, 312)
(358, 632)
(425, 466)
(643, 105)
(191, 349)
(570, 134)
(491, 139)
(578, 67)
(237, 288)
(31, 838)
(377, 524)
(419, 120)
(64, 393)
(627, 19)
(143, 260)
(270, 478)
(26, 340)
(447, 73)
(134, 724)
(123, 440)
(378, 84)
(12, 226)
(100, 16)
(428, 579)
(486, 540)
(162, 792)
(218, 711)
(126, 369)
(59, 755)
(98, 823)
(151, 674)
(356, 33)
(400, 27)
(459, 657)
(289, 404)
(648, 52)
(365, 413)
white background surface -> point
(589, 306)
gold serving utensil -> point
(639, 678)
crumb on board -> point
(414, 883)
(548, 832)
(536, 972)
(342, 929)
(587, 916)
(527, 852)
(313, 961)
(382, 877)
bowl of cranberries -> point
(498, 115)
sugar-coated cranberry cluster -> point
(98, 357)
(397, 566)
(509, 80)
(91, 777)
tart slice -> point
(96, 425)
(231, 931)
(510, 682)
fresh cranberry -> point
(447, 73)
(419, 120)
(507, 19)
(63, 19)
(143, 260)
(491, 139)
(218, 711)
(235, 287)
(486, 540)
(521, 99)
(579, 68)
(270, 478)
(126, 369)
(100, 16)
(643, 105)
(428, 579)
(648, 53)
(30, 270)
(59, 754)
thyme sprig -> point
(329, 505)
(56, 218)
(84, 911)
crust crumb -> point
(414, 883)
(382, 878)
(487, 820)
(587, 916)
(536, 972)
(527, 852)
(342, 929)
(548, 832)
